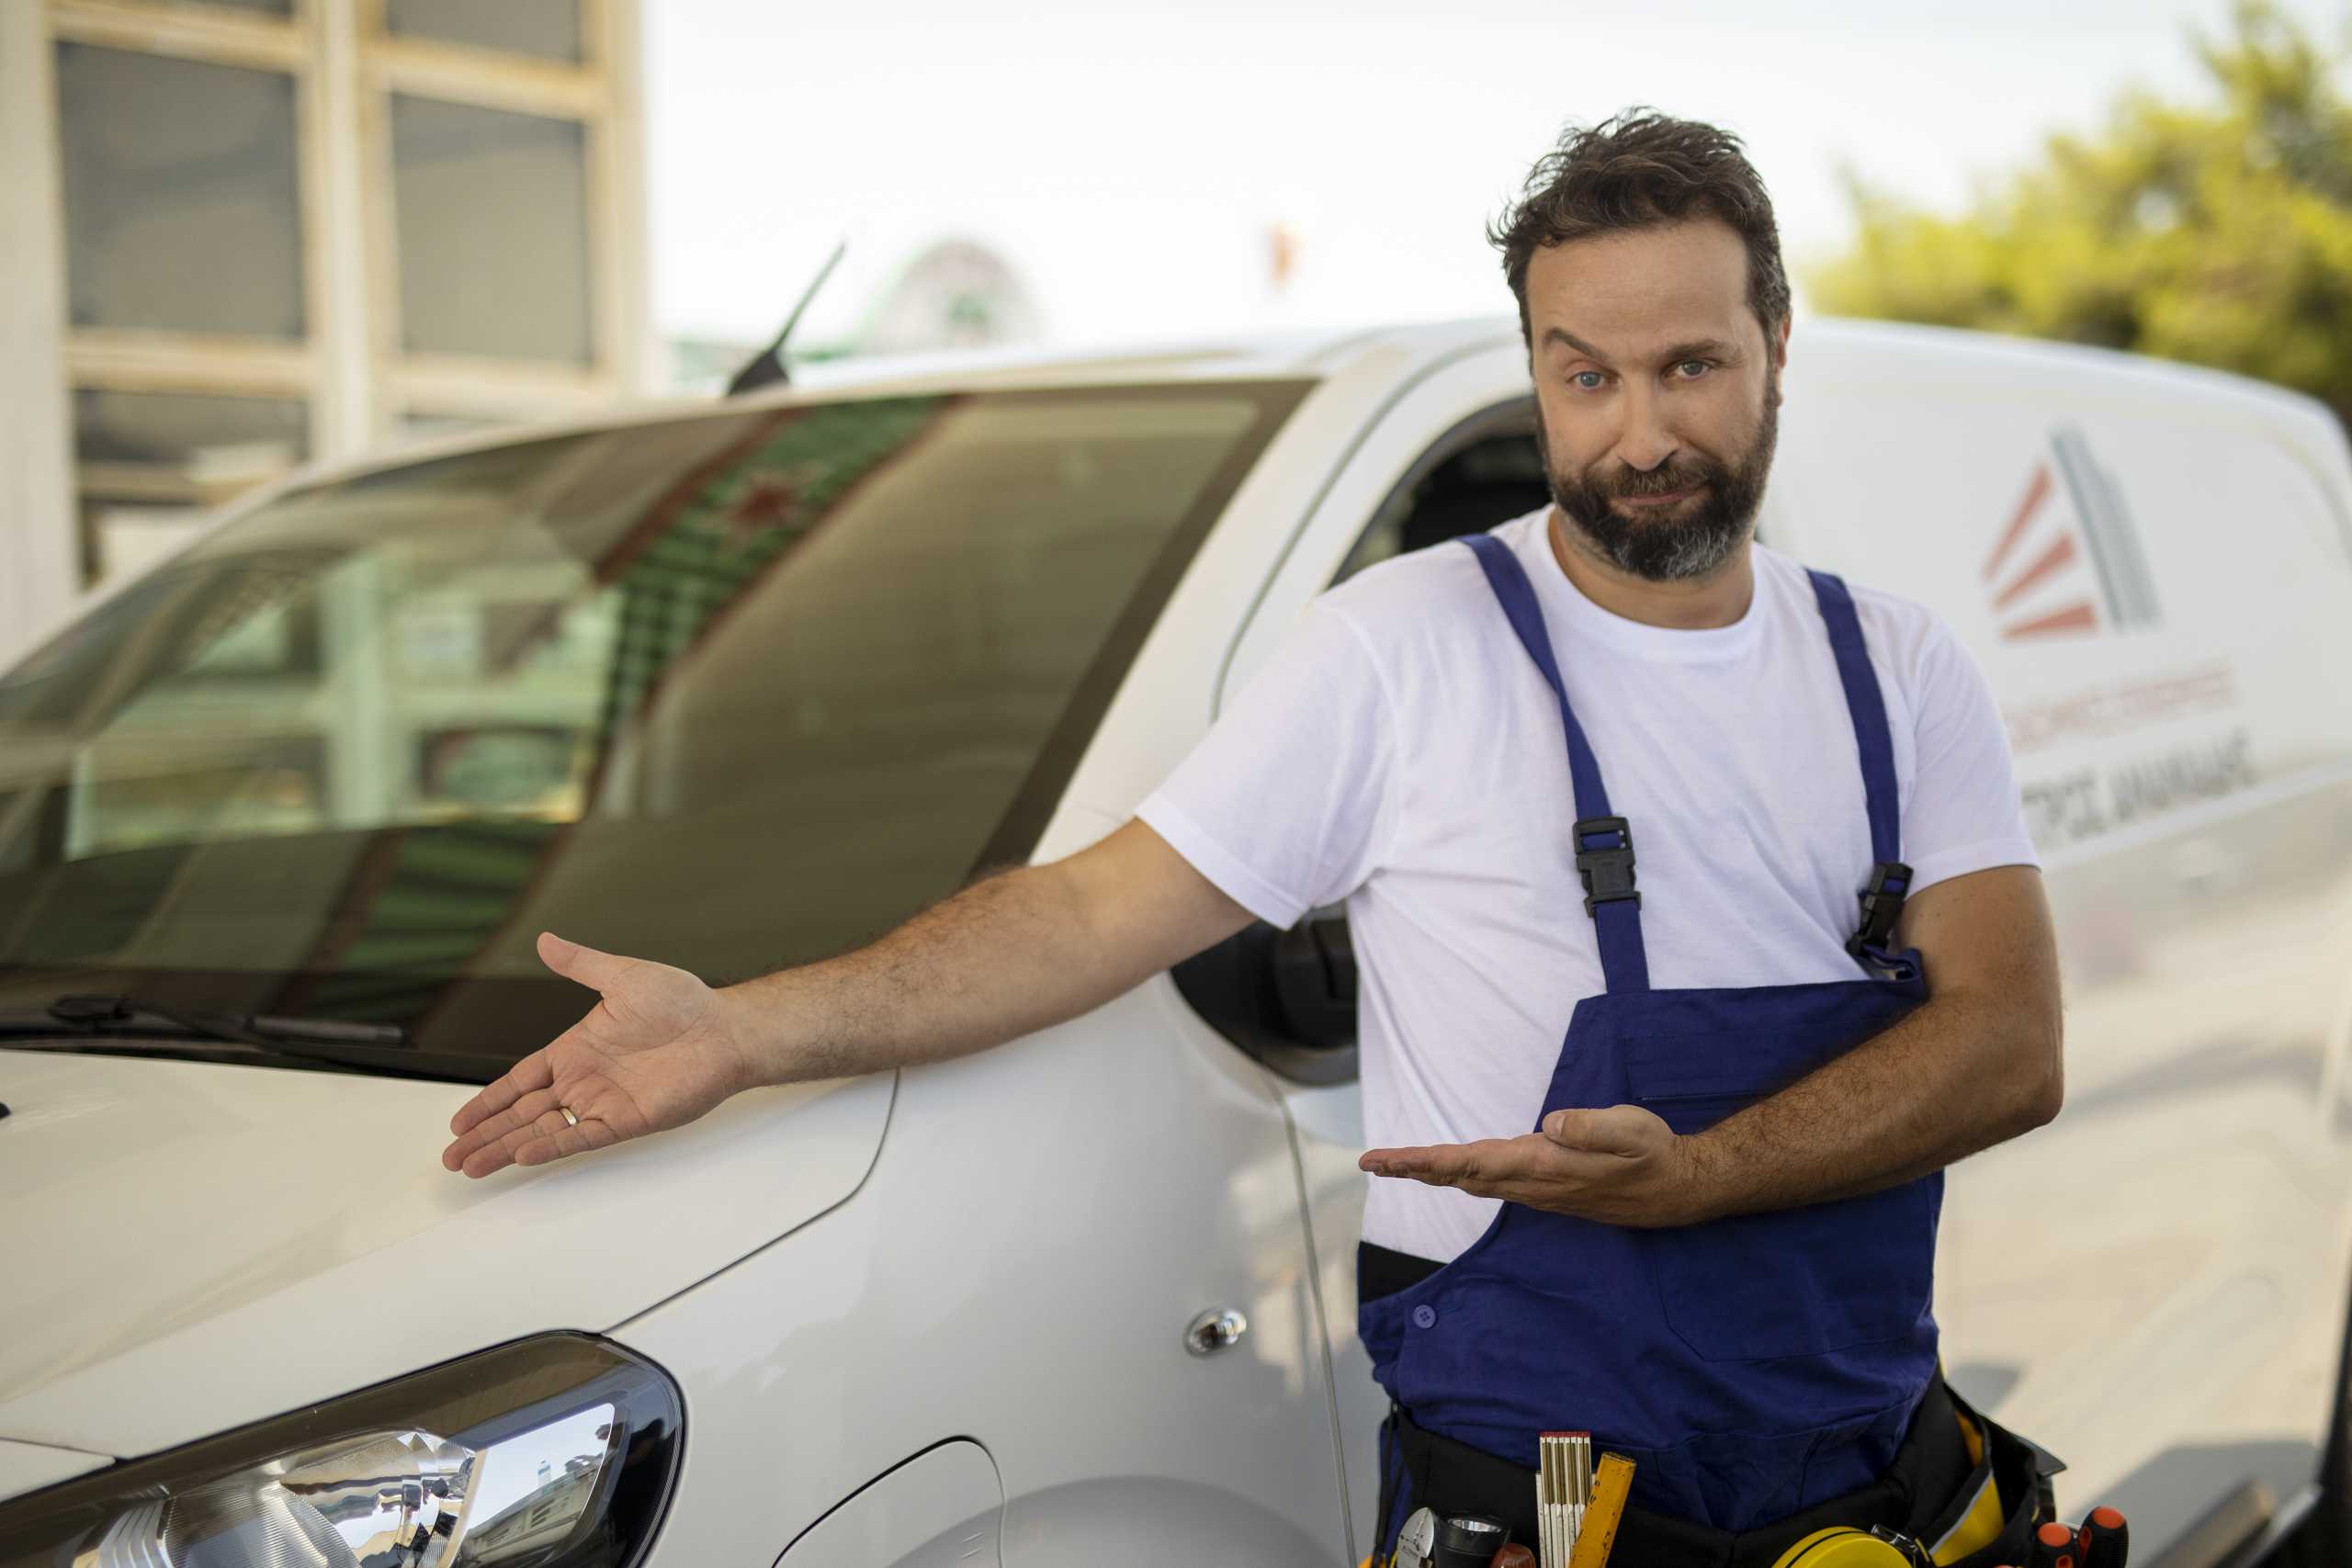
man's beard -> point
(1689, 539)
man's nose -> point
(1646, 441)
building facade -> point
(240, 236)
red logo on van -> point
(2075, 570)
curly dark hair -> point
(1641, 169)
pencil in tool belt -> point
(1563, 1488)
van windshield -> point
(730, 691)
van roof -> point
(1396, 351)
(1409, 345)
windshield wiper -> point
(104, 1019)
(120, 1015)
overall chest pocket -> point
(1806, 1282)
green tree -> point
(2218, 232)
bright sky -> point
(1127, 157)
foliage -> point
(2219, 233)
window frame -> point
(348, 369)
(165, 362)
(465, 386)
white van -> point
(741, 684)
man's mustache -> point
(1656, 482)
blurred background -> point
(237, 236)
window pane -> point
(494, 232)
(549, 29)
(180, 204)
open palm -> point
(652, 1054)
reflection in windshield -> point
(729, 692)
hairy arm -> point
(1977, 1064)
(1013, 953)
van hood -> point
(189, 1246)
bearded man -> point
(1698, 923)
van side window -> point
(1483, 471)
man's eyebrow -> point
(1696, 348)
(1562, 334)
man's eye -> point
(1702, 367)
(1588, 380)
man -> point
(1701, 1226)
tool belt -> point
(1970, 1493)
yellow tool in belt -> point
(1841, 1546)
(1611, 1483)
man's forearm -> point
(1976, 1064)
(1964, 1071)
(1005, 956)
(1014, 952)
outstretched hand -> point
(654, 1053)
(1619, 1165)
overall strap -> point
(1889, 879)
(1604, 842)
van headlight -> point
(551, 1452)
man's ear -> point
(1780, 357)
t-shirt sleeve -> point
(1964, 813)
(1287, 803)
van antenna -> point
(768, 366)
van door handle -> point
(1214, 1330)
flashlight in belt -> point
(1464, 1541)
(1468, 1542)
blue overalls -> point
(1751, 1366)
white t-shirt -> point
(1402, 752)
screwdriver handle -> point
(2053, 1547)
(2106, 1539)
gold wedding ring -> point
(571, 1117)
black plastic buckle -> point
(1881, 905)
(1607, 869)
